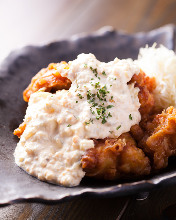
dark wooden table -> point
(38, 21)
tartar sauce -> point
(60, 127)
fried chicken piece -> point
(19, 131)
(159, 137)
(49, 79)
(115, 158)
(146, 87)
(121, 158)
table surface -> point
(39, 22)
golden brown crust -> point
(19, 131)
(115, 159)
(48, 79)
(156, 133)
(159, 137)
(146, 87)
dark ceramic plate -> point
(15, 74)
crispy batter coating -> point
(146, 87)
(156, 133)
(49, 79)
(115, 158)
(159, 137)
(19, 131)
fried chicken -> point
(111, 158)
(146, 87)
(158, 137)
(146, 147)
(19, 131)
(121, 158)
(115, 158)
(156, 133)
(49, 79)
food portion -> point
(48, 80)
(161, 64)
(101, 102)
(109, 121)
(146, 87)
(120, 157)
(49, 147)
(115, 158)
(158, 137)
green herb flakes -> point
(94, 70)
(103, 73)
(88, 122)
(118, 127)
(109, 106)
(80, 96)
(130, 117)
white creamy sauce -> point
(60, 127)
